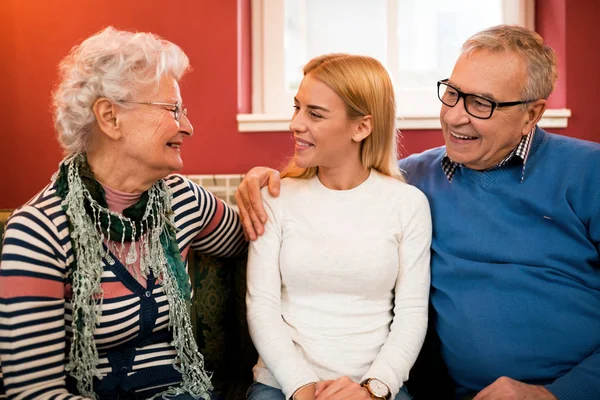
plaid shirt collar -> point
(521, 152)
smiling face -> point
(481, 144)
(323, 133)
(151, 135)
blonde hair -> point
(365, 86)
(113, 64)
(541, 60)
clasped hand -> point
(341, 388)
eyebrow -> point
(313, 106)
(486, 95)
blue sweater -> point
(516, 267)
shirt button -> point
(148, 293)
(124, 369)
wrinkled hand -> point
(249, 199)
(510, 389)
(341, 388)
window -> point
(418, 41)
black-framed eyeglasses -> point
(175, 108)
(477, 106)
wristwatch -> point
(377, 389)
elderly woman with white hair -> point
(94, 290)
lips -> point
(302, 143)
(462, 137)
(174, 145)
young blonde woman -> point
(338, 284)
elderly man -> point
(516, 228)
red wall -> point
(37, 34)
(583, 58)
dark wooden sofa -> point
(219, 318)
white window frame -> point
(267, 44)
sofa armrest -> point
(219, 320)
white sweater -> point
(339, 283)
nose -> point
(456, 115)
(185, 126)
(297, 124)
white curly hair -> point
(114, 64)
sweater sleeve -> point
(580, 383)
(267, 328)
(583, 381)
(32, 307)
(212, 226)
(409, 325)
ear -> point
(363, 129)
(534, 113)
(106, 117)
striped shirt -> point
(132, 338)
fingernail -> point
(263, 219)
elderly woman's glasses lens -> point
(475, 105)
(175, 108)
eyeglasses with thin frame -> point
(175, 108)
(477, 106)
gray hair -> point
(541, 59)
(113, 64)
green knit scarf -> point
(149, 222)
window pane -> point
(430, 34)
(316, 27)
(418, 40)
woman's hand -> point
(305, 393)
(249, 199)
(341, 388)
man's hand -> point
(341, 388)
(249, 199)
(509, 389)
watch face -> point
(378, 388)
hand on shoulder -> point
(249, 199)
